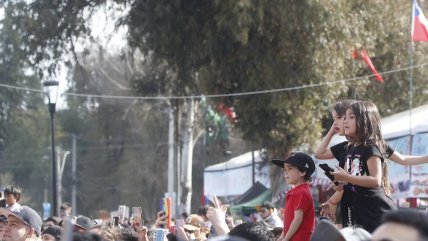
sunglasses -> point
(3, 219)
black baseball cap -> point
(298, 159)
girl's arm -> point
(295, 224)
(323, 151)
(374, 165)
(408, 160)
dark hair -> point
(127, 234)
(15, 191)
(202, 210)
(252, 232)
(87, 236)
(410, 217)
(368, 132)
(308, 176)
(65, 205)
(341, 106)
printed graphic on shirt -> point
(353, 165)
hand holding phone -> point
(327, 171)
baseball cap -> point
(26, 215)
(298, 159)
(326, 228)
(268, 205)
(193, 222)
(82, 222)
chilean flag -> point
(419, 24)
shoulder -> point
(372, 150)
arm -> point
(408, 160)
(374, 165)
(295, 224)
(323, 151)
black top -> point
(361, 206)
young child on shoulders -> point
(299, 214)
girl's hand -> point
(340, 174)
(328, 209)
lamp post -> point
(51, 88)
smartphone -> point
(165, 206)
(160, 234)
(327, 171)
(136, 212)
(115, 221)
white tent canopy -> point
(234, 177)
(399, 124)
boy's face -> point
(293, 175)
(10, 199)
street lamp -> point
(51, 89)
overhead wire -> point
(220, 95)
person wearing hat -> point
(82, 224)
(193, 227)
(52, 233)
(269, 215)
(299, 215)
(23, 224)
(327, 231)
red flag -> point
(369, 63)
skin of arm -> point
(295, 224)
(323, 151)
(373, 180)
(408, 160)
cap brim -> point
(325, 229)
(6, 212)
(278, 162)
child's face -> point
(350, 124)
(338, 123)
(292, 175)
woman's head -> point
(338, 114)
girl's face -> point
(350, 124)
(338, 123)
(292, 175)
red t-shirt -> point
(300, 197)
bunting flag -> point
(419, 24)
(364, 56)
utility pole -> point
(171, 156)
(73, 177)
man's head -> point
(65, 210)
(266, 209)
(82, 223)
(22, 224)
(252, 232)
(12, 195)
(406, 224)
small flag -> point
(419, 24)
(369, 63)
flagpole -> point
(412, 201)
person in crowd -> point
(87, 236)
(404, 224)
(50, 221)
(252, 231)
(23, 224)
(362, 167)
(52, 233)
(12, 195)
(82, 223)
(299, 217)
(65, 210)
(325, 152)
(3, 223)
(268, 214)
(327, 231)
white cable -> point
(218, 95)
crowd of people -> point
(362, 192)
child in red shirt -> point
(299, 213)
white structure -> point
(235, 176)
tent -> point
(249, 207)
(235, 177)
(251, 193)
